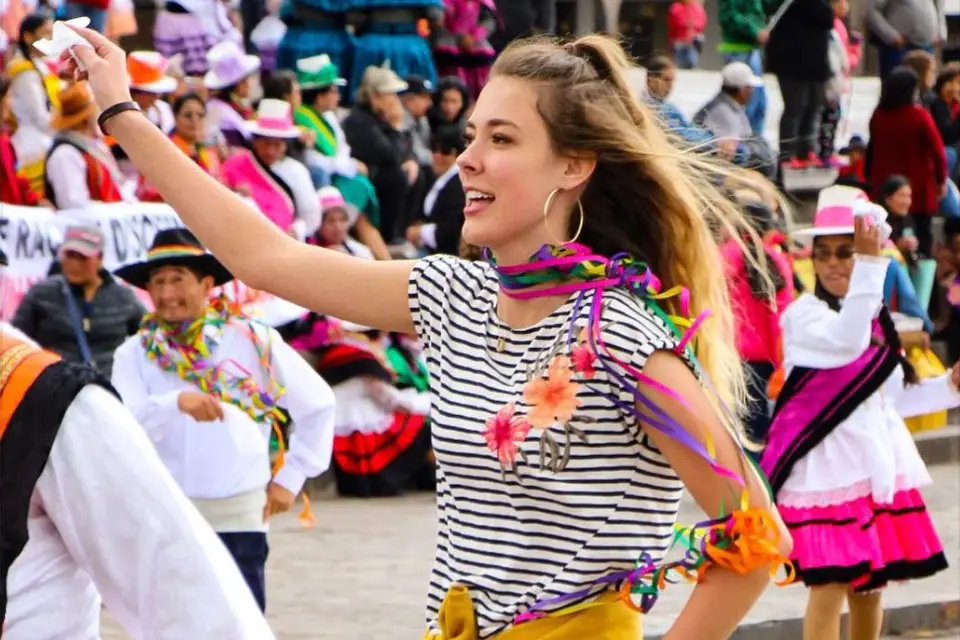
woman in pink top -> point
(757, 316)
(686, 21)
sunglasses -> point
(823, 254)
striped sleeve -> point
(429, 293)
(643, 334)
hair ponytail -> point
(646, 197)
(29, 24)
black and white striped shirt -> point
(514, 538)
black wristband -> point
(113, 110)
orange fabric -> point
(20, 366)
(200, 154)
(142, 73)
(779, 377)
(307, 518)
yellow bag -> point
(927, 365)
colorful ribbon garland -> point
(185, 351)
(743, 540)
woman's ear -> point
(578, 170)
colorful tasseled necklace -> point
(186, 350)
(742, 540)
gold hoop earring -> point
(546, 212)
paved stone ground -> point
(371, 558)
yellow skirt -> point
(608, 620)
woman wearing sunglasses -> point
(844, 470)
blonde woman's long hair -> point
(646, 197)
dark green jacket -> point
(741, 20)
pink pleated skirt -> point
(864, 543)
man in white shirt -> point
(208, 384)
(88, 511)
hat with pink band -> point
(274, 120)
(836, 208)
(331, 198)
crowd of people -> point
(371, 142)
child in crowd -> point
(338, 218)
(853, 174)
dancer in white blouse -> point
(90, 512)
(844, 470)
(207, 384)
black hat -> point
(178, 248)
(857, 143)
(418, 84)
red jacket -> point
(685, 21)
(14, 189)
(94, 4)
(906, 142)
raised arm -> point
(255, 250)
(823, 339)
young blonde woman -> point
(568, 411)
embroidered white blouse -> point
(215, 460)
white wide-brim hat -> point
(274, 120)
(160, 87)
(835, 212)
(230, 70)
(257, 129)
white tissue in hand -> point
(876, 213)
(63, 38)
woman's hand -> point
(413, 234)
(908, 244)
(955, 375)
(412, 169)
(104, 66)
(308, 137)
(867, 240)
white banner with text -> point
(30, 236)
